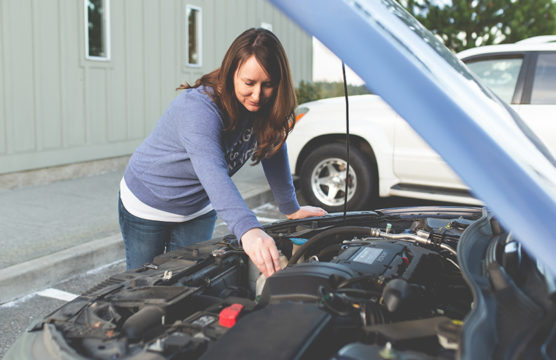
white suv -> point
(388, 158)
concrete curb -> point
(37, 274)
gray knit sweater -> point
(187, 161)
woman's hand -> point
(261, 249)
(306, 211)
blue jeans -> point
(145, 239)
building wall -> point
(57, 107)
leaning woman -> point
(179, 179)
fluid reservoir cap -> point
(229, 315)
(298, 241)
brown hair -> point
(275, 119)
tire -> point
(322, 183)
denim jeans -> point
(145, 239)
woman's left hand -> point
(306, 211)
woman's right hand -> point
(261, 249)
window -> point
(193, 36)
(97, 29)
(500, 75)
(544, 83)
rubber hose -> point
(347, 230)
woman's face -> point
(253, 87)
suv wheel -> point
(323, 178)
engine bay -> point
(366, 287)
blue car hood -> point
(478, 135)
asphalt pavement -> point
(51, 232)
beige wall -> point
(57, 107)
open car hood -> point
(479, 136)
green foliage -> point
(465, 24)
(321, 89)
(306, 92)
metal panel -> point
(96, 104)
(72, 76)
(19, 52)
(218, 36)
(251, 14)
(3, 117)
(169, 70)
(151, 38)
(134, 70)
(41, 159)
(116, 120)
(237, 15)
(47, 74)
(210, 26)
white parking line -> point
(57, 294)
(16, 302)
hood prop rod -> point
(347, 139)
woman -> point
(179, 177)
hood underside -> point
(475, 133)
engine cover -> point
(376, 258)
(302, 281)
(384, 259)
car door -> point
(416, 163)
(537, 106)
(527, 81)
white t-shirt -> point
(141, 210)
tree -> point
(533, 17)
(306, 92)
(309, 91)
(463, 24)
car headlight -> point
(300, 112)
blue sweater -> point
(187, 161)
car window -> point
(544, 83)
(500, 75)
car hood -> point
(479, 136)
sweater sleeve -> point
(201, 135)
(277, 172)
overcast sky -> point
(328, 67)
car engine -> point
(365, 287)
